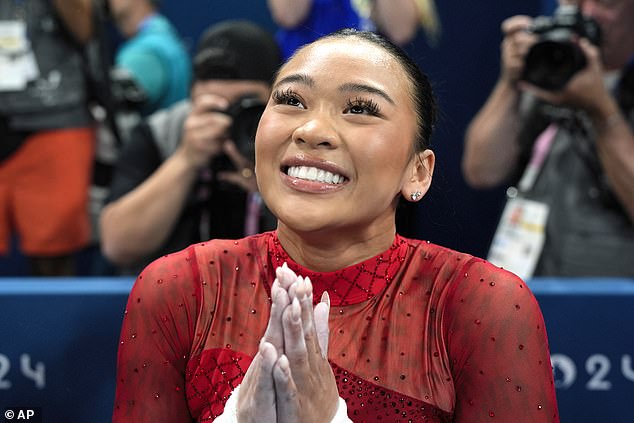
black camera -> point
(126, 92)
(625, 89)
(556, 57)
(246, 114)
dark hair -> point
(422, 93)
(236, 49)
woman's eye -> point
(287, 97)
(360, 106)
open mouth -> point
(309, 173)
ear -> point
(419, 174)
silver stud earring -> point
(416, 195)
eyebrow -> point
(348, 87)
(298, 78)
(366, 89)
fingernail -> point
(325, 298)
(308, 285)
(301, 287)
(284, 365)
(295, 310)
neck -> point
(327, 251)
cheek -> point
(270, 137)
(387, 151)
(265, 133)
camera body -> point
(246, 113)
(126, 92)
(625, 90)
(556, 57)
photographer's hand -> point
(204, 130)
(245, 177)
(585, 90)
(614, 136)
(494, 130)
(517, 41)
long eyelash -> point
(284, 96)
(368, 104)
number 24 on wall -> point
(597, 366)
(36, 373)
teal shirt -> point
(158, 61)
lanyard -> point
(541, 148)
(252, 217)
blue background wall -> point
(463, 67)
(60, 338)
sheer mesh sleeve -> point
(498, 349)
(155, 343)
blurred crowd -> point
(120, 144)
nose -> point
(318, 131)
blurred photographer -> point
(186, 174)
(557, 129)
(152, 52)
(46, 132)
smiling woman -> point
(334, 316)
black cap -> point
(236, 49)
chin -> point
(303, 222)
(311, 221)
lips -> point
(310, 173)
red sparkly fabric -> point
(419, 333)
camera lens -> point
(245, 124)
(550, 64)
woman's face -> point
(334, 147)
(616, 18)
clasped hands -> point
(290, 379)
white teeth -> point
(313, 174)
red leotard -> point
(417, 333)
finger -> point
(552, 97)
(516, 23)
(208, 128)
(322, 311)
(248, 184)
(202, 100)
(209, 119)
(292, 290)
(274, 331)
(285, 275)
(264, 383)
(257, 387)
(522, 42)
(286, 392)
(238, 160)
(304, 294)
(294, 343)
(589, 50)
(263, 390)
